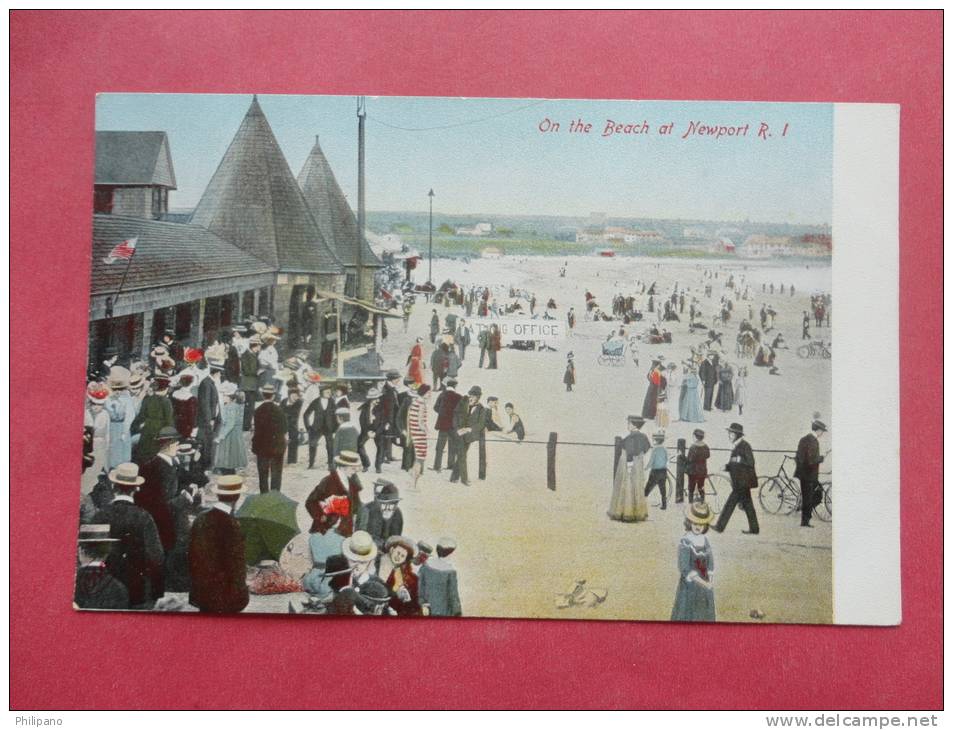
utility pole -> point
(361, 114)
(430, 252)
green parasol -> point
(268, 523)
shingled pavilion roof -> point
(331, 211)
(254, 202)
(134, 158)
(167, 254)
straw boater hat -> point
(186, 448)
(118, 378)
(259, 328)
(127, 474)
(136, 381)
(373, 394)
(359, 547)
(254, 340)
(95, 534)
(446, 543)
(637, 421)
(699, 513)
(347, 458)
(736, 428)
(268, 389)
(227, 388)
(97, 393)
(659, 435)
(229, 485)
(404, 542)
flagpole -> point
(122, 282)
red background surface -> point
(60, 61)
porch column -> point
(256, 300)
(198, 323)
(147, 317)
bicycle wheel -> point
(823, 510)
(717, 487)
(771, 495)
(804, 351)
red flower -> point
(336, 505)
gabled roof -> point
(254, 202)
(167, 254)
(134, 158)
(331, 210)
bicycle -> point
(781, 494)
(815, 349)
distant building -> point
(491, 252)
(480, 229)
(723, 245)
(764, 246)
(644, 237)
(694, 233)
(133, 174)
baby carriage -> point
(613, 353)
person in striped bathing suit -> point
(417, 428)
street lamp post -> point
(430, 252)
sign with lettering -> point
(524, 329)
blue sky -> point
(488, 155)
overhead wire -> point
(456, 124)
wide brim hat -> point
(228, 388)
(423, 389)
(385, 491)
(374, 590)
(259, 328)
(254, 340)
(136, 381)
(118, 378)
(818, 426)
(373, 394)
(336, 565)
(127, 473)
(229, 485)
(404, 542)
(359, 547)
(347, 458)
(446, 543)
(700, 513)
(267, 389)
(97, 393)
(736, 428)
(95, 534)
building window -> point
(350, 285)
(160, 202)
(103, 200)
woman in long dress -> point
(417, 429)
(230, 446)
(657, 384)
(725, 400)
(741, 389)
(695, 596)
(415, 363)
(628, 502)
(689, 409)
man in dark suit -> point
(135, 559)
(708, 374)
(291, 406)
(469, 423)
(320, 423)
(95, 586)
(233, 361)
(217, 553)
(446, 406)
(161, 485)
(269, 440)
(208, 416)
(386, 432)
(341, 482)
(403, 405)
(248, 384)
(382, 518)
(807, 465)
(743, 479)
(367, 423)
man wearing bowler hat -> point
(446, 406)
(95, 587)
(217, 553)
(269, 440)
(469, 421)
(807, 465)
(161, 485)
(136, 558)
(382, 518)
(386, 431)
(743, 479)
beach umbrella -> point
(268, 522)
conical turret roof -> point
(330, 209)
(254, 202)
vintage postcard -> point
(429, 357)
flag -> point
(124, 251)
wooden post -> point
(147, 319)
(680, 463)
(551, 462)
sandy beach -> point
(519, 543)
